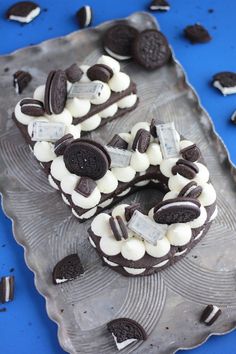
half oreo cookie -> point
(197, 34)
(67, 269)
(23, 11)
(177, 210)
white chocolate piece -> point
(30, 125)
(86, 202)
(108, 183)
(133, 249)
(44, 151)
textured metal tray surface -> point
(168, 304)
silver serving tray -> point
(168, 304)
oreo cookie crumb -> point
(210, 11)
(233, 118)
(3, 309)
(6, 70)
(197, 34)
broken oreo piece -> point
(173, 211)
(85, 186)
(159, 5)
(61, 144)
(233, 118)
(7, 289)
(191, 190)
(129, 210)
(32, 107)
(141, 141)
(118, 228)
(55, 92)
(86, 158)
(185, 168)
(197, 34)
(118, 142)
(153, 128)
(151, 49)
(191, 153)
(126, 331)
(118, 41)
(210, 314)
(84, 16)
(73, 73)
(225, 82)
(21, 80)
(24, 11)
(67, 269)
(100, 72)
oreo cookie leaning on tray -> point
(159, 5)
(23, 11)
(118, 41)
(151, 49)
(85, 157)
(100, 72)
(126, 331)
(225, 82)
(55, 92)
(197, 34)
(67, 269)
(210, 314)
(32, 107)
(176, 210)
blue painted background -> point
(25, 327)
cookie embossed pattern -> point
(205, 276)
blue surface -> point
(25, 327)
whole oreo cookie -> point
(86, 158)
(151, 49)
(191, 153)
(197, 34)
(67, 269)
(118, 41)
(177, 210)
(191, 190)
(55, 92)
(100, 72)
(32, 107)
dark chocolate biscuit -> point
(32, 107)
(118, 228)
(7, 286)
(62, 143)
(191, 153)
(129, 210)
(210, 314)
(118, 41)
(100, 72)
(185, 168)
(21, 80)
(23, 11)
(85, 158)
(197, 34)
(159, 5)
(151, 49)
(141, 140)
(126, 328)
(191, 190)
(84, 16)
(176, 210)
(118, 142)
(225, 78)
(85, 186)
(153, 128)
(73, 73)
(67, 269)
(55, 92)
